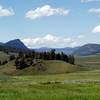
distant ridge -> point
(1, 43)
(16, 43)
(85, 50)
(12, 49)
(88, 49)
(67, 50)
(13, 46)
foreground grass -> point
(49, 87)
(50, 92)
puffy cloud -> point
(45, 11)
(6, 12)
(96, 29)
(86, 1)
(81, 36)
(93, 10)
(49, 41)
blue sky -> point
(56, 23)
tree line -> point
(24, 60)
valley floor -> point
(69, 86)
(80, 85)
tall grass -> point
(50, 92)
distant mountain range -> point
(67, 50)
(17, 45)
(85, 50)
(88, 49)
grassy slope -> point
(51, 68)
(89, 62)
(3, 56)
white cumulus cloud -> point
(96, 29)
(94, 10)
(86, 1)
(45, 11)
(49, 41)
(6, 12)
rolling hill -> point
(88, 49)
(44, 67)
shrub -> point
(4, 62)
(12, 57)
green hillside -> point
(3, 56)
(88, 62)
(44, 67)
(84, 63)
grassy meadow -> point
(75, 86)
(89, 63)
(66, 82)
